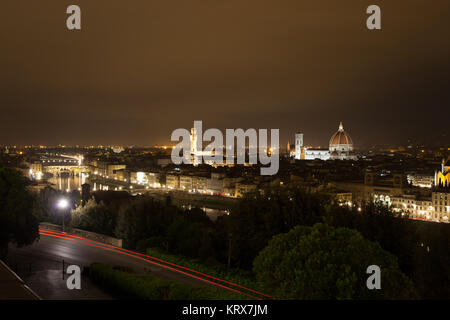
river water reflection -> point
(68, 183)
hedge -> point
(241, 277)
(127, 285)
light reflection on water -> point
(68, 183)
(212, 213)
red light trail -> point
(140, 256)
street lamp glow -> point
(62, 203)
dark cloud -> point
(139, 69)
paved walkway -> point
(12, 287)
(43, 274)
(49, 285)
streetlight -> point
(62, 204)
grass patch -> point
(241, 277)
(128, 285)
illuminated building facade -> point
(436, 208)
(196, 155)
(441, 194)
(421, 180)
(442, 178)
(415, 207)
(340, 147)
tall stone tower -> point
(298, 145)
(194, 150)
(193, 141)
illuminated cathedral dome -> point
(341, 145)
(341, 148)
(341, 141)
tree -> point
(323, 262)
(185, 237)
(18, 224)
(143, 218)
(258, 217)
(190, 234)
(94, 217)
(377, 222)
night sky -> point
(139, 69)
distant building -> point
(229, 186)
(36, 167)
(106, 169)
(242, 188)
(441, 205)
(299, 149)
(340, 148)
(421, 180)
(216, 183)
(163, 162)
(434, 208)
(343, 198)
(194, 151)
(143, 178)
(197, 155)
(122, 175)
(341, 145)
(117, 149)
(379, 186)
(442, 178)
(35, 171)
(172, 181)
(112, 169)
(199, 183)
(441, 194)
(186, 183)
(414, 206)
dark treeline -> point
(18, 219)
(422, 248)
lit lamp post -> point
(62, 204)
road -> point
(41, 264)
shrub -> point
(322, 262)
(127, 285)
(238, 276)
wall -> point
(85, 234)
